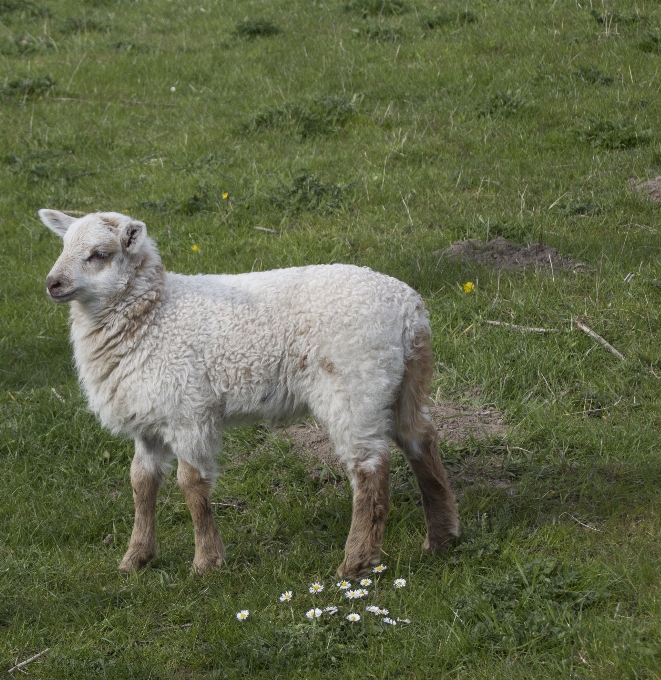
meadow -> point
(256, 134)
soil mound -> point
(454, 424)
(503, 254)
(652, 188)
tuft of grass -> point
(23, 8)
(256, 28)
(447, 17)
(24, 87)
(319, 116)
(593, 75)
(651, 43)
(503, 103)
(613, 134)
(379, 33)
(612, 17)
(578, 206)
(205, 198)
(376, 7)
(308, 194)
(83, 25)
(24, 44)
(39, 165)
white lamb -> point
(171, 360)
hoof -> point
(438, 546)
(354, 568)
(202, 565)
(135, 560)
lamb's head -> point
(100, 255)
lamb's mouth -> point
(62, 297)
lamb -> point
(170, 360)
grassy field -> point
(271, 133)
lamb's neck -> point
(105, 331)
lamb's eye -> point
(97, 255)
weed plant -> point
(312, 146)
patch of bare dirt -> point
(651, 187)
(503, 254)
(454, 424)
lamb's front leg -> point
(146, 478)
(370, 508)
(209, 548)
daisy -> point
(353, 617)
(366, 582)
(343, 585)
(285, 597)
(383, 612)
(400, 583)
(313, 613)
(352, 594)
(316, 588)
(390, 621)
(373, 610)
(331, 610)
(379, 568)
(243, 615)
(361, 592)
(404, 620)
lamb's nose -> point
(53, 283)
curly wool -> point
(174, 359)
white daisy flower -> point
(400, 583)
(390, 621)
(361, 592)
(366, 582)
(378, 569)
(316, 588)
(383, 612)
(313, 613)
(331, 610)
(285, 597)
(343, 585)
(352, 594)
(404, 620)
(353, 617)
(243, 615)
(373, 610)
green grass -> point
(372, 132)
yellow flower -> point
(225, 195)
(468, 287)
(195, 249)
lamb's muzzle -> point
(171, 360)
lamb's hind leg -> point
(370, 508)
(416, 435)
(209, 548)
(147, 469)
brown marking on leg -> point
(142, 546)
(209, 548)
(327, 365)
(370, 508)
(416, 435)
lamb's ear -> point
(132, 235)
(56, 221)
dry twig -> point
(268, 231)
(523, 329)
(135, 103)
(18, 666)
(586, 329)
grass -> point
(379, 150)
